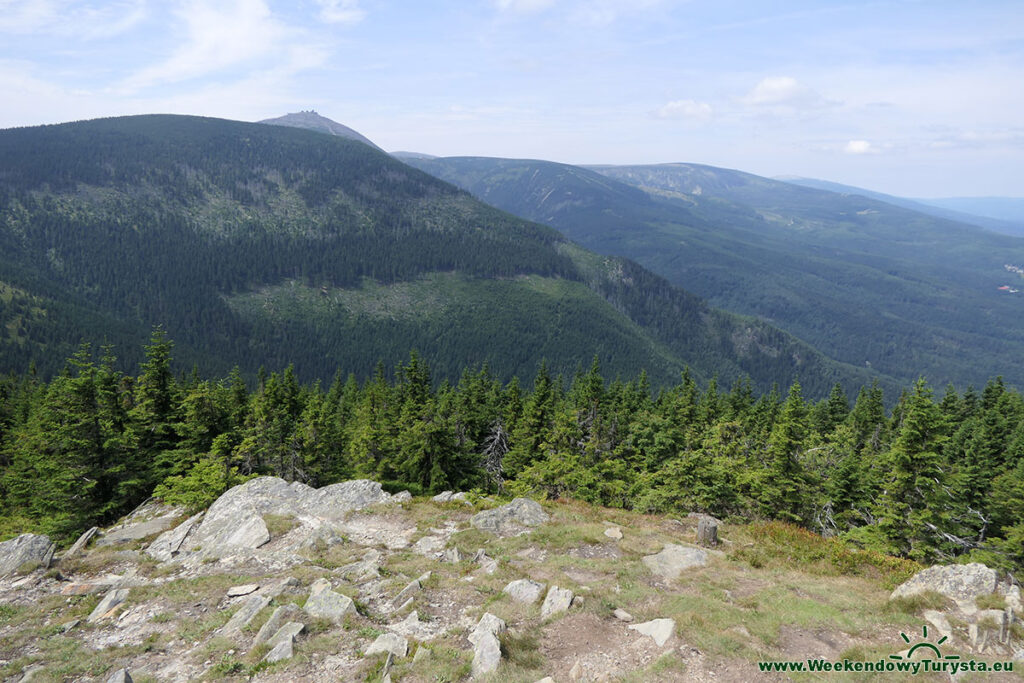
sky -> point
(914, 98)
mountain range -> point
(867, 282)
(267, 245)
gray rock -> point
(614, 533)
(285, 649)
(453, 556)
(289, 632)
(389, 642)
(429, 545)
(511, 518)
(239, 591)
(108, 604)
(443, 497)
(364, 570)
(674, 560)
(274, 623)
(622, 615)
(486, 646)
(939, 621)
(659, 630)
(235, 520)
(82, 541)
(252, 606)
(414, 586)
(30, 672)
(25, 550)
(327, 604)
(524, 590)
(167, 544)
(149, 519)
(401, 497)
(557, 600)
(962, 583)
(120, 676)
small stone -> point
(70, 625)
(577, 601)
(108, 604)
(614, 533)
(659, 630)
(239, 591)
(443, 497)
(388, 642)
(622, 615)
(557, 600)
(274, 623)
(486, 646)
(401, 497)
(452, 556)
(546, 679)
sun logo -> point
(924, 645)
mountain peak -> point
(311, 120)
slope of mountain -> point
(265, 245)
(866, 282)
(940, 208)
(310, 120)
(1010, 209)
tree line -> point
(934, 479)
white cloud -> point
(523, 6)
(859, 147)
(218, 36)
(70, 18)
(685, 109)
(341, 11)
(783, 91)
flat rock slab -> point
(82, 541)
(289, 632)
(169, 543)
(108, 604)
(486, 646)
(252, 606)
(960, 582)
(557, 600)
(283, 650)
(524, 590)
(149, 519)
(246, 589)
(659, 630)
(614, 533)
(25, 550)
(274, 623)
(327, 604)
(388, 642)
(512, 518)
(674, 559)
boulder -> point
(284, 649)
(962, 583)
(674, 560)
(364, 570)
(108, 604)
(27, 550)
(614, 533)
(486, 646)
(557, 600)
(167, 544)
(512, 518)
(235, 520)
(388, 642)
(443, 497)
(326, 604)
(452, 556)
(524, 590)
(659, 630)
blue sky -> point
(916, 98)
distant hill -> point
(263, 245)
(310, 120)
(996, 213)
(866, 282)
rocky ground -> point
(281, 582)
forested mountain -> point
(866, 282)
(265, 245)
